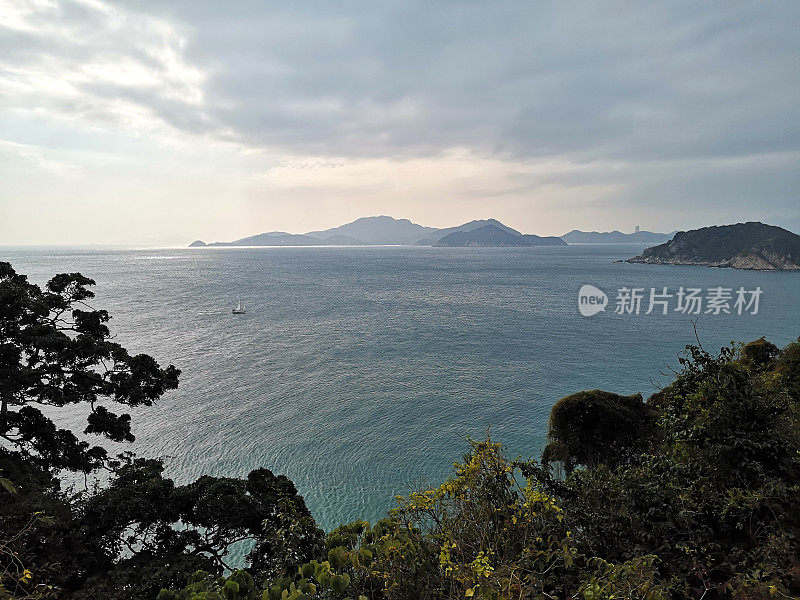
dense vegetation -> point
(689, 494)
(750, 245)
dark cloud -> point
(595, 80)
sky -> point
(151, 122)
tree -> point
(594, 427)
(152, 533)
(759, 354)
(56, 350)
(139, 532)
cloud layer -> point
(553, 115)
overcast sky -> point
(136, 121)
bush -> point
(596, 427)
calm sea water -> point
(359, 372)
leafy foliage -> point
(595, 427)
(55, 350)
(691, 494)
(714, 497)
(139, 532)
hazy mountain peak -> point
(495, 235)
(381, 229)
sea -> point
(361, 373)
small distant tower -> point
(636, 230)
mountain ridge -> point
(386, 230)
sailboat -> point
(239, 310)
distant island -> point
(492, 236)
(751, 245)
(384, 230)
(615, 237)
